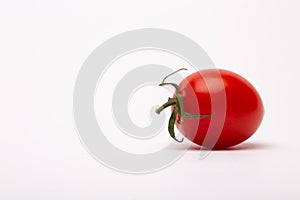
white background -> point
(42, 47)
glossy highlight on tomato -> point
(214, 108)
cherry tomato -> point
(214, 108)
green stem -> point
(177, 102)
(188, 115)
(172, 123)
(170, 102)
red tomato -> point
(215, 108)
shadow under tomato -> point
(248, 146)
(243, 146)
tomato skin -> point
(240, 115)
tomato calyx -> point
(177, 104)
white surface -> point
(44, 43)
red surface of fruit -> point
(235, 115)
